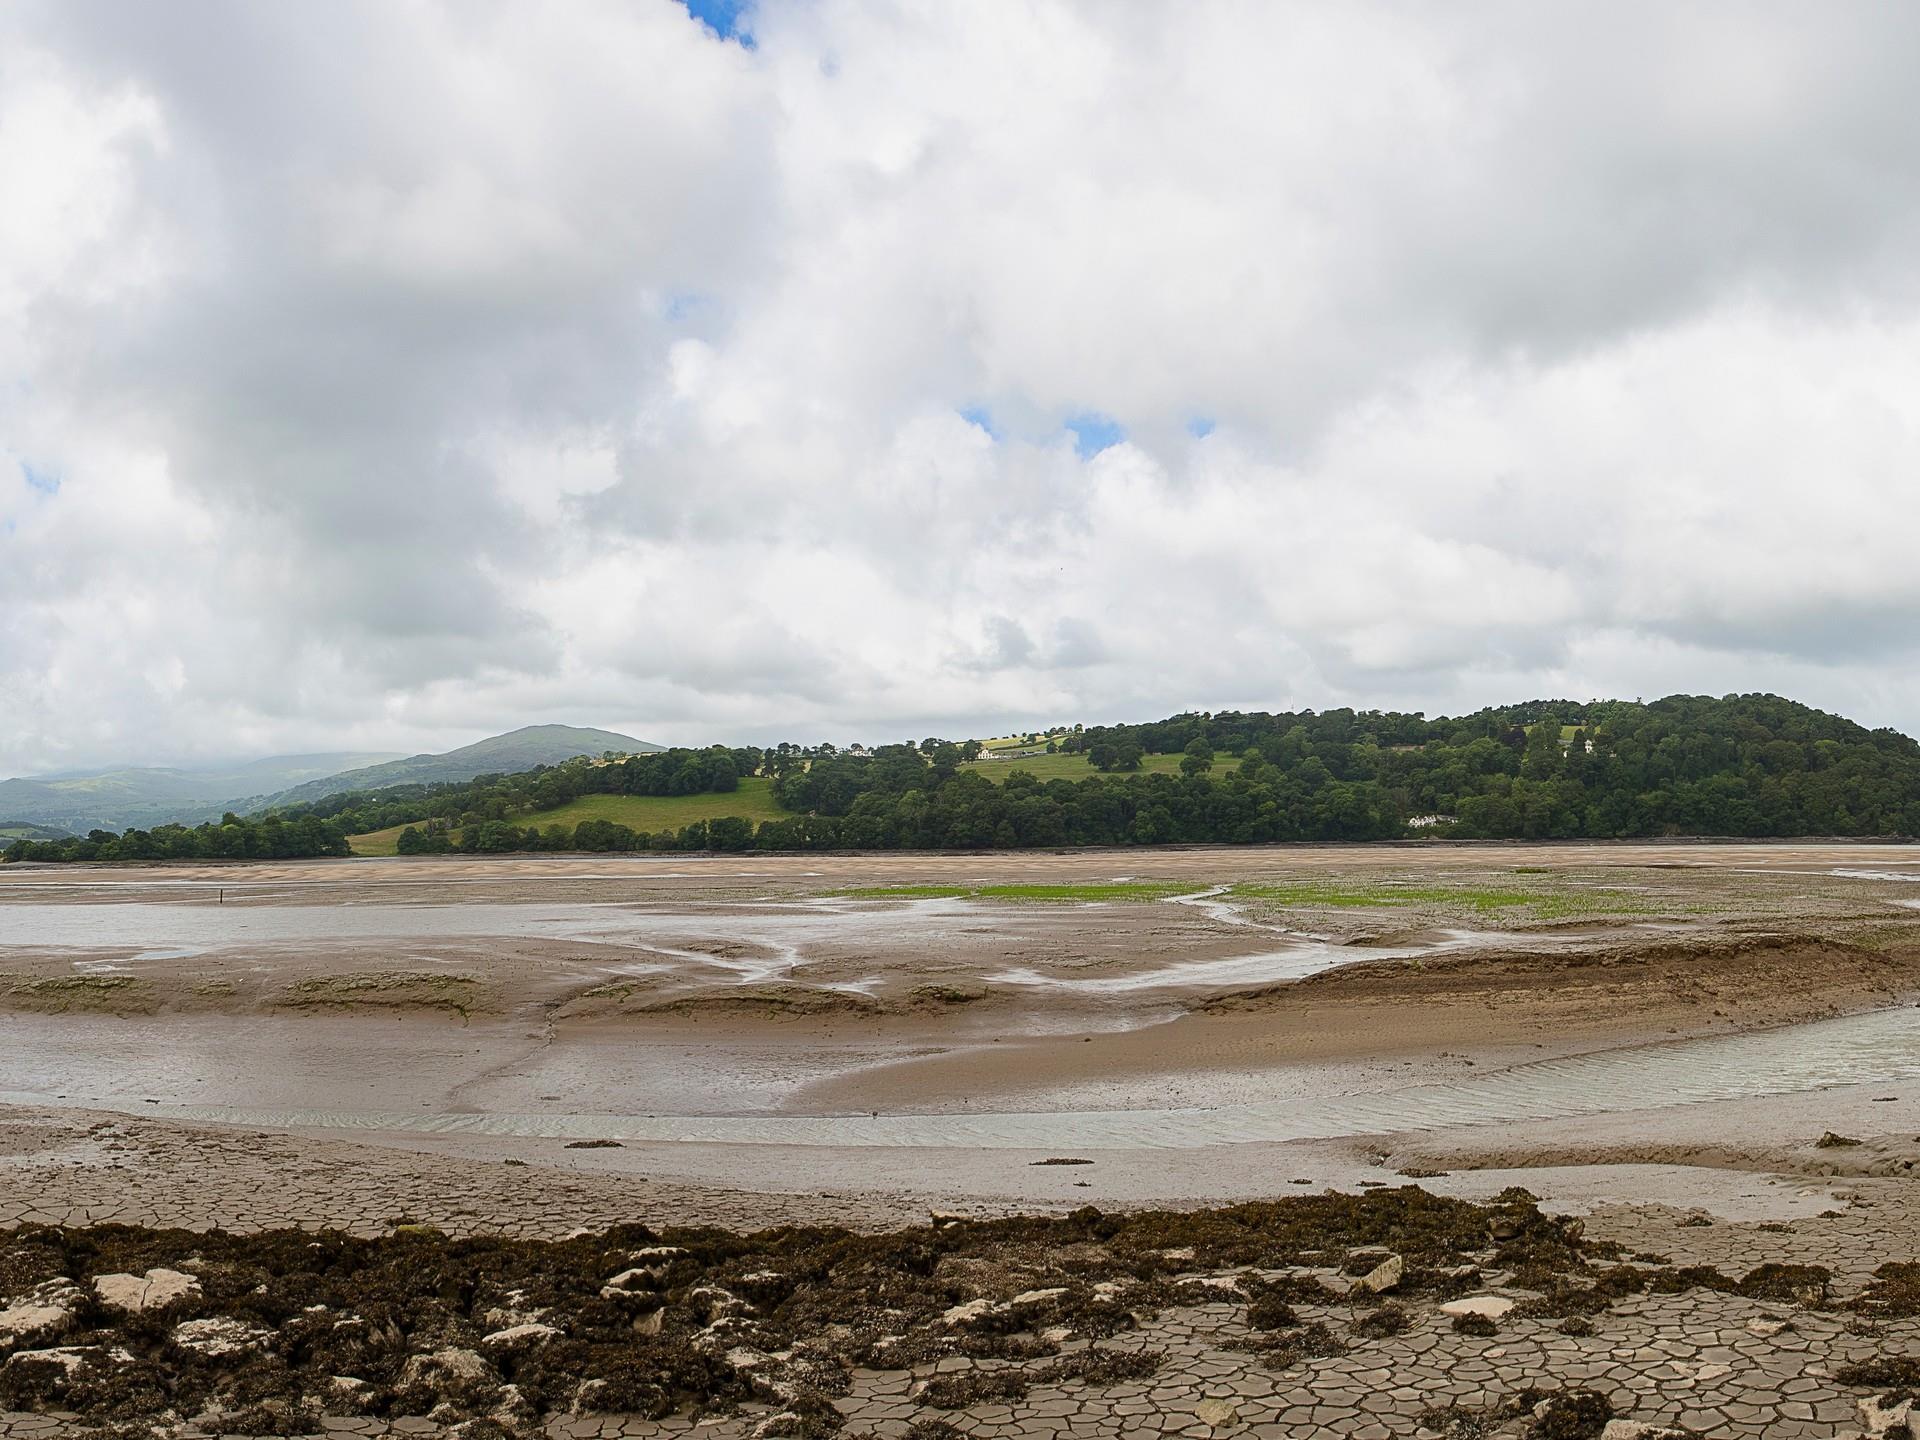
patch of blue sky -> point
(45, 481)
(683, 305)
(1093, 433)
(727, 19)
(983, 417)
(1200, 426)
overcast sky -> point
(383, 375)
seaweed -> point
(490, 1332)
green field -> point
(1116, 890)
(26, 831)
(1075, 767)
(752, 801)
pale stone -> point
(154, 1290)
(42, 1313)
(1038, 1297)
(446, 1370)
(217, 1336)
(1491, 1306)
(1217, 1413)
(1881, 1419)
(969, 1312)
(1384, 1276)
(520, 1334)
(68, 1357)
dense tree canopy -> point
(1745, 765)
(272, 837)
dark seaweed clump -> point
(1576, 1414)
(499, 1333)
(1894, 1293)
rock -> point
(68, 1358)
(1491, 1306)
(1217, 1413)
(218, 1336)
(1766, 1328)
(649, 1323)
(43, 1313)
(972, 1312)
(1878, 1419)
(513, 1410)
(137, 1294)
(517, 1335)
(42, 1376)
(451, 1374)
(1636, 1430)
(1385, 1276)
(647, 1268)
(348, 1394)
(1028, 1298)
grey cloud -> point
(1525, 328)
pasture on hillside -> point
(648, 813)
(1075, 767)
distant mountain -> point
(79, 801)
(499, 754)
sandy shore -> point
(825, 986)
(1710, 1053)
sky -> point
(382, 375)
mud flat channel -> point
(1708, 1052)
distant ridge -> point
(498, 754)
(113, 799)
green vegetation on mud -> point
(1324, 896)
(60, 994)
(1544, 904)
(386, 990)
(1071, 894)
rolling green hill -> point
(507, 754)
(646, 813)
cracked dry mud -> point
(1256, 1320)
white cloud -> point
(405, 372)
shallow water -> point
(785, 934)
(1881, 1046)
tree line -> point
(1739, 766)
(1742, 766)
(267, 837)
